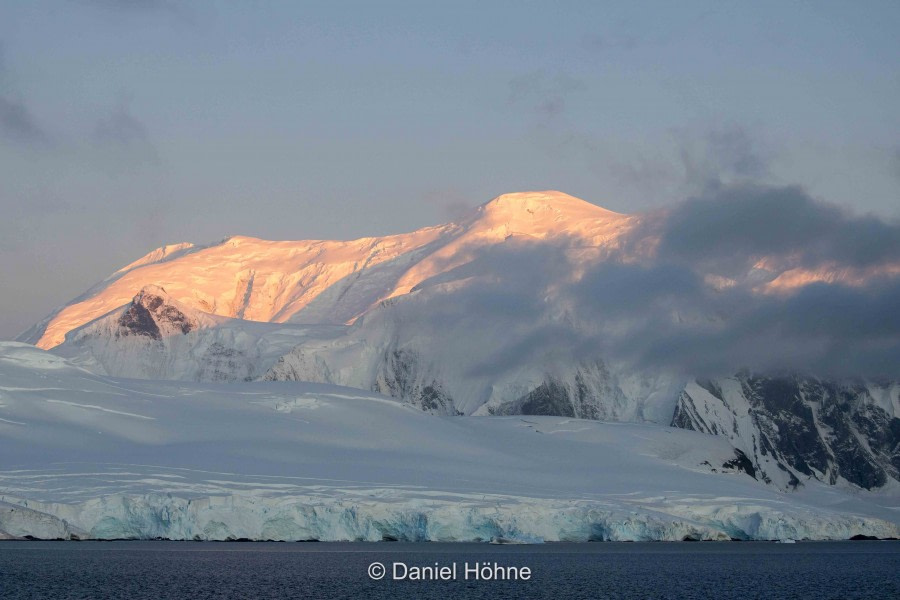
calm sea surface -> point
(145, 570)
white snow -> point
(286, 460)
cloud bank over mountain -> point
(745, 277)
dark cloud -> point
(734, 226)
(833, 331)
(617, 288)
(520, 347)
(659, 311)
(826, 329)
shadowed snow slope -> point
(91, 456)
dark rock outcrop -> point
(794, 428)
(151, 315)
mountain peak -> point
(148, 292)
(543, 213)
(153, 314)
(544, 202)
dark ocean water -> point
(151, 570)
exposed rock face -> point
(400, 377)
(740, 462)
(794, 428)
(137, 320)
(549, 398)
(585, 391)
(151, 315)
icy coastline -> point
(496, 518)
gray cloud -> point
(657, 312)
(895, 162)
(543, 94)
(720, 155)
(122, 129)
(733, 226)
(452, 203)
(672, 319)
(520, 269)
(502, 311)
(650, 179)
(703, 159)
(18, 124)
(827, 330)
(620, 289)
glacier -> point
(87, 456)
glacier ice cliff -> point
(387, 515)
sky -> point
(127, 125)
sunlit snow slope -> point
(94, 457)
(328, 282)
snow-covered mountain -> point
(88, 456)
(315, 282)
(516, 309)
(157, 337)
(799, 428)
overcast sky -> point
(126, 125)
